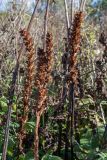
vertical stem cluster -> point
(44, 63)
(28, 84)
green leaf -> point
(10, 153)
(103, 103)
(3, 103)
(95, 141)
(50, 157)
(103, 156)
(0, 155)
(29, 156)
(30, 126)
(3, 99)
(21, 157)
(86, 101)
(84, 141)
(14, 107)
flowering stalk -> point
(44, 63)
(74, 44)
(28, 84)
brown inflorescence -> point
(49, 52)
(43, 74)
(28, 41)
(74, 45)
(44, 63)
(41, 68)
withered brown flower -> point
(44, 63)
(28, 41)
(74, 44)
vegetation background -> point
(41, 115)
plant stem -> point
(45, 25)
(72, 11)
(71, 103)
(36, 149)
(67, 17)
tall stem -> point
(36, 149)
(64, 83)
(45, 24)
(82, 5)
(66, 137)
(71, 103)
(67, 17)
(72, 11)
(59, 138)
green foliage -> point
(102, 156)
(30, 126)
(86, 101)
(3, 103)
(89, 121)
(104, 5)
(51, 157)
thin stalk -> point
(59, 137)
(72, 103)
(12, 91)
(103, 117)
(82, 5)
(11, 94)
(36, 153)
(33, 16)
(73, 83)
(67, 17)
(72, 11)
(66, 137)
(45, 24)
(65, 65)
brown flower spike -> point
(28, 41)
(74, 43)
(44, 63)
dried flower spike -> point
(44, 63)
(74, 43)
(28, 84)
